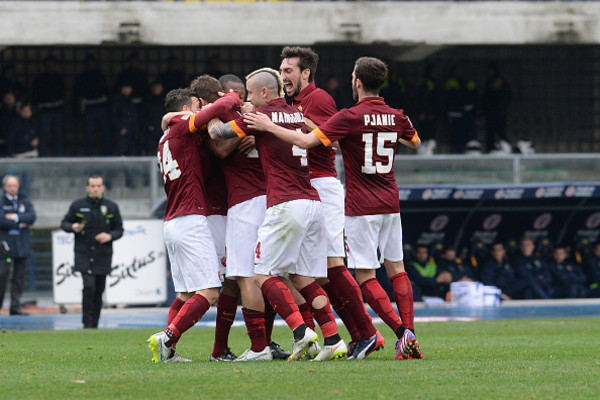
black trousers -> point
(17, 282)
(93, 288)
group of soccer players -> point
(249, 181)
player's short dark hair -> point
(94, 176)
(230, 78)
(307, 58)
(206, 87)
(177, 98)
(372, 72)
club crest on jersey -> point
(282, 117)
(103, 209)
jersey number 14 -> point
(168, 165)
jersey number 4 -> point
(380, 167)
(300, 152)
(168, 165)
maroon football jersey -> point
(243, 174)
(285, 166)
(318, 106)
(368, 134)
(182, 160)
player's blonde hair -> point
(275, 75)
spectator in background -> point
(48, 94)
(10, 83)
(568, 279)
(427, 280)
(496, 100)
(460, 271)
(460, 102)
(91, 95)
(154, 109)
(173, 77)
(124, 119)
(394, 89)
(332, 86)
(428, 109)
(22, 140)
(8, 114)
(135, 76)
(17, 216)
(534, 271)
(591, 267)
(96, 223)
(498, 271)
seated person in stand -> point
(426, 279)
(498, 271)
(568, 279)
(533, 270)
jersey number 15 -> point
(380, 167)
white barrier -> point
(139, 263)
(474, 294)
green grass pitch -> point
(498, 359)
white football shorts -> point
(367, 233)
(194, 263)
(243, 221)
(331, 193)
(217, 225)
(291, 240)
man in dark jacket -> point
(17, 216)
(96, 223)
(534, 270)
(499, 271)
(568, 278)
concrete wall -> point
(432, 23)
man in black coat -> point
(96, 223)
(17, 216)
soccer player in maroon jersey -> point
(194, 263)
(291, 239)
(207, 89)
(297, 69)
(246, 188)
(368, 134)
(238, 180)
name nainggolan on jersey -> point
(379, 119)
(281, 117)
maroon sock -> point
(174, 309)
(282, 301)
(380, 303)
(342, 311)
(269, 320)
(226, 309)
(351, 297)
(404, 299)
(324, 315)
(307, 315)
(255, 324)
(190, 313)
